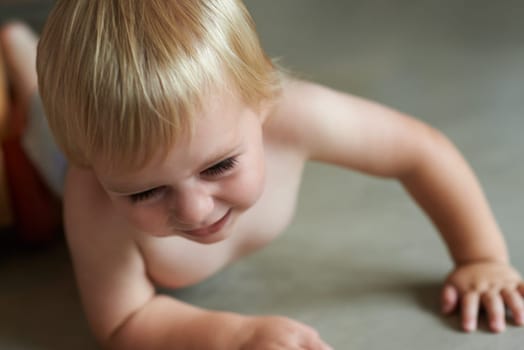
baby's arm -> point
(365, 136)
(446, 188)
(122, 308)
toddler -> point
(186, 145)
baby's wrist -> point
(498, 259)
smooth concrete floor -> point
(360, 262)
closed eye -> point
(146, 195)
(221, 167)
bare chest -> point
(174, 262)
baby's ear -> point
(264, 110)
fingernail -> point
(498, 326)
(469, 326)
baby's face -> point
(203, 185)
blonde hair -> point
(121, 79)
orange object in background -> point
(27, 206)
(34, 209)
(6, 216)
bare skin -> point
(131, 231)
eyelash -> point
(143, 196)
(216, 170)
(221, 168)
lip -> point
(211, 229)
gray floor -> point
(360, 262)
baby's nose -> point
(192, 207)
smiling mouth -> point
(211, 229)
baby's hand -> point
(492, 285)
(280, 333)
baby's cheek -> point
(247, 189)
(143, 219)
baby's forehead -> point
(219, 131)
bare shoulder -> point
(305, 109)
(82, 189)
(107, 262)
(343, 129)
(290, 110)
(86, 205)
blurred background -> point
(360, 262)
(32, 11)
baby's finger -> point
(449, 299)
(495, 309)
(514, 301)
(470, 310)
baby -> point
(186, 146)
